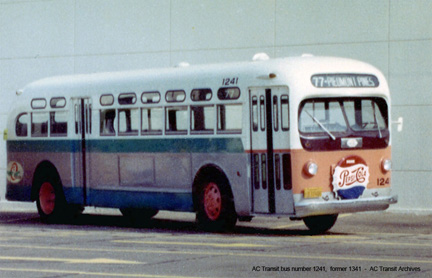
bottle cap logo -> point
(350, 177)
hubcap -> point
(212, 201)
(47, 198)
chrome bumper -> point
(313, 207)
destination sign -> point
(344, 80)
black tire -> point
(215, 211)
(321, 223)
(50, 201)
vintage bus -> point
(303, 137)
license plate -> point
(313, 192)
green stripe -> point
(59, 146)
(189, 145)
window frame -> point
(205, 130)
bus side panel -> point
(163, 200)
(29, 154)
(234, 166)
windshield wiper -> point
(321, 125)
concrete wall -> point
(40, 38)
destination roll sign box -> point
(344, 80)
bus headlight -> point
(311, 168)
(386, 165)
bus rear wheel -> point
(50, 202)
(215, 207)
(321, 223)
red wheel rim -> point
(47, 198)
(212, 201)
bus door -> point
(82, 130)
(270, 151)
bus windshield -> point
(323, 123)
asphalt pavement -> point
(102, 243)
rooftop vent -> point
(260, 57)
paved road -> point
(101, 243)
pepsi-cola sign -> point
(350, 177)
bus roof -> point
(254, 72)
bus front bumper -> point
(307, 207)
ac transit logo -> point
(15, 172)
(351, 177)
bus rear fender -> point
(209, 173)
(44, 169)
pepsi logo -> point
(350, 177)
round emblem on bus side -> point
(15, 172)
(350, 177)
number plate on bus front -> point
(313, 192)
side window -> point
(21, 125)
(106, 100)
(255, 113)
(201, 94)
(150, 97)
(229, 118)
(175, 96)
(202, 119)
(58, 123)
(176, 119)
(58, 102)
(275, 113)
(39, 124)
(107, 119)
(129, 120)
(127, 98)
(262, 113)
(285, 113)
(152, 120)
(228, 93)
(38, 103)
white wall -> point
(40, 38)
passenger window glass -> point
(106, 100)
(201, 94)
(262, 113)
(38, 103)
(150, 97)
(129, 120)
(127, 98)
(285, 113)
(175, 96)
(202, 118)
(58, 102)
(39, 127)
(255, 113)
(21, 125)
(152, 120)
(275, 113)
(228, 93)
(107, 119)
(58, 123)
(176, 119)
(229, 118)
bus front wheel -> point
(320, 223)
(215, 207)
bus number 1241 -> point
(230, 81)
